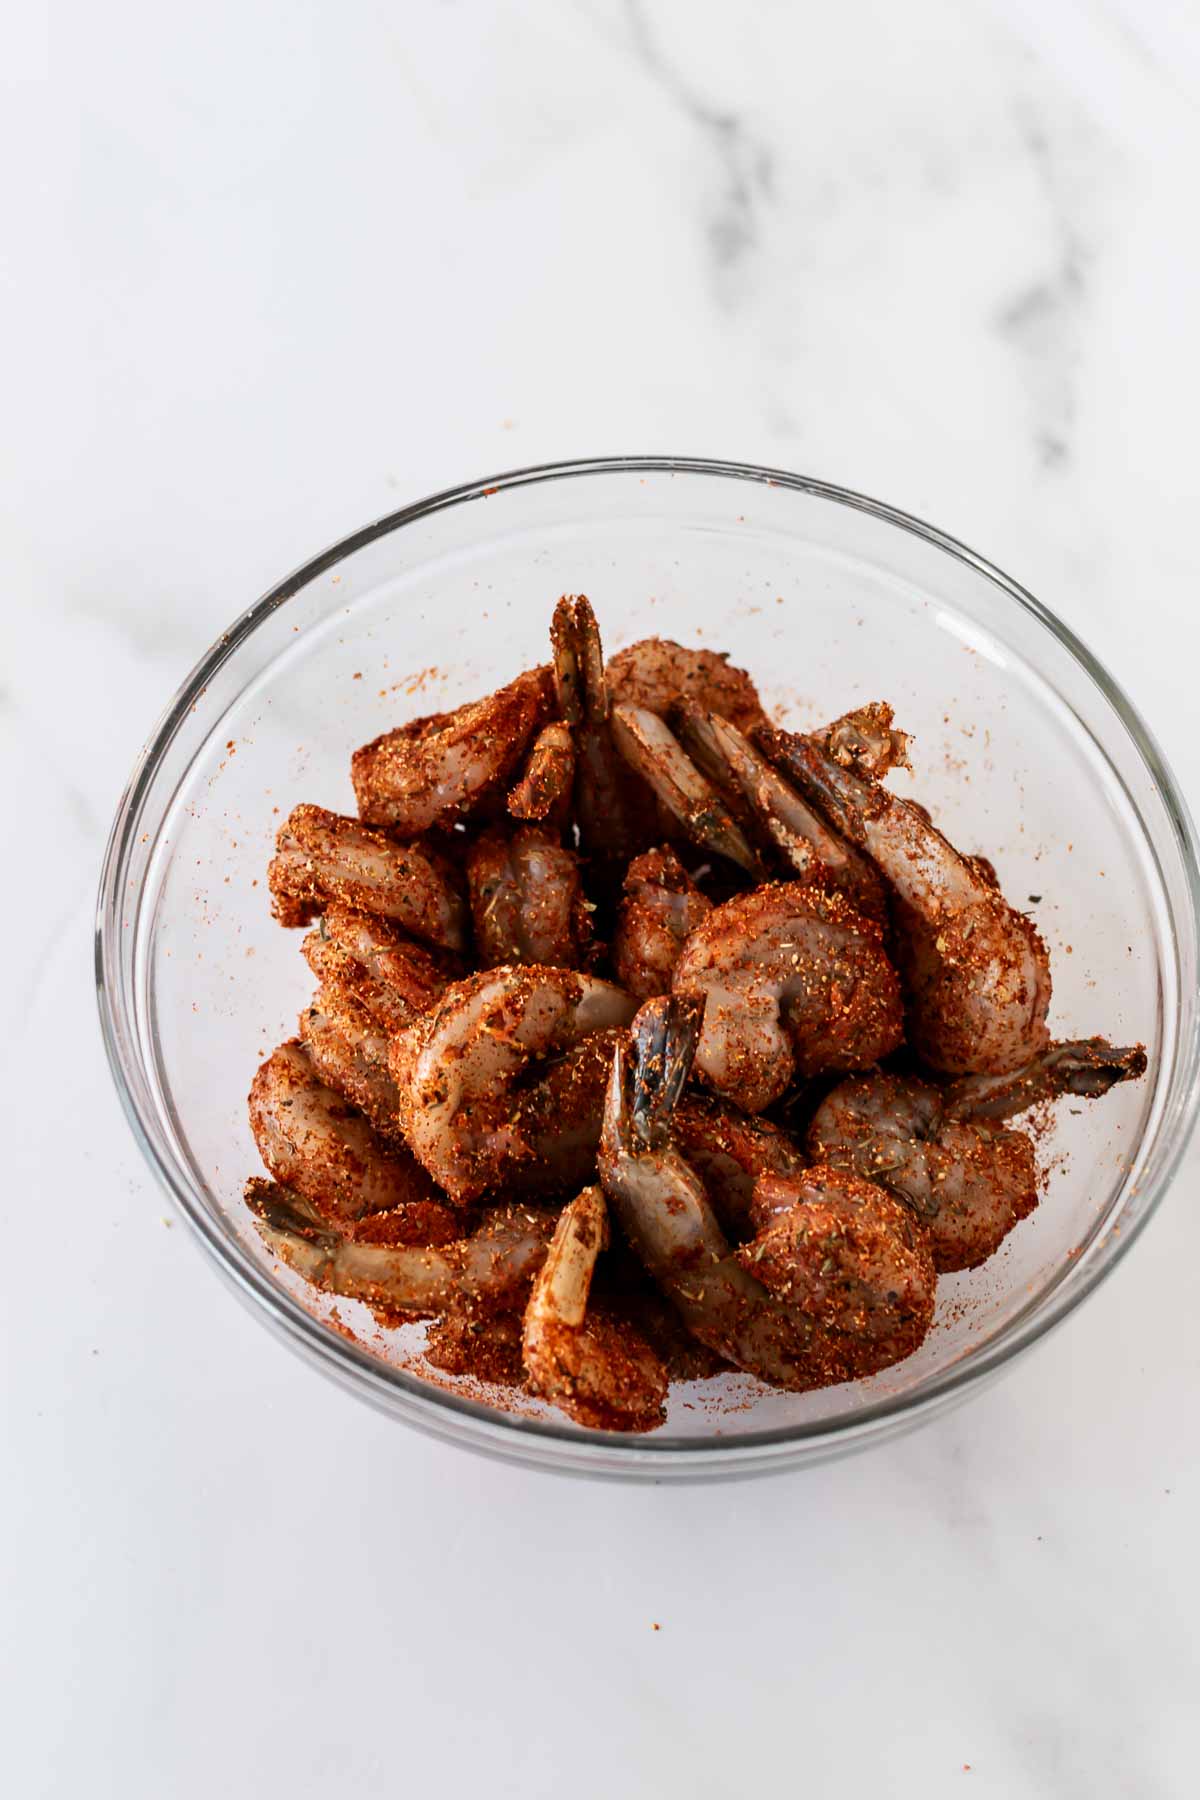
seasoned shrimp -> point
(596, 1368)
(865, 739)
(976, 971)
(312, 1140)
(851, 1256)
(322, 858)
(350, 1056)
(796, 982)
(527, 902)
(968, 1184)
(489, 1271)
(366, 960)
(544, 790)
(653, 751)
(645, 1305)
(440, 769)
(614, 810)
(730, 1150)
(486, 1346)
(811, 848)
(939, 1150)
(661, 905)
(847, 1282)
(502, 1083)
(659, 675)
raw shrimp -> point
(440, 769)
(811, 848)
(544, 790)
(634, 781)
(350, 1056)
(939, 1149)
(660, 907)
(322, 858)
(796, 982)
(659, 675)
(653, 752)
(846, 1284)
(597, 1368)
(527, 902)
(312, 1140)
(614, 811)
(479, 1111)
(645, 1305)
(729, 1150)
(851, 1256)
(366, 960)
(488, 1271)
(486, 1346)
(666, 1217)
(976, 971)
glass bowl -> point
(1024, 747)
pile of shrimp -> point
(650, 1039)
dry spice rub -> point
(650, 1039)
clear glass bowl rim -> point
(457, 1418)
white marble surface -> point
(270, 269)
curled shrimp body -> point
(730, 1150)
(837, 1282)
(503, 1082)
(659, 675)
(811, 848)
(795, 982)
(851, 1256)
(660, 907)
(437, 770)
(310, 1139)
(940, 1149)
(322, 858)
(350, 1055)
(652, 750)
(366, 961)
(527, 902)
(597, 1369)
(976, 971)
(489, 1271)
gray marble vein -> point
(1040, 323)
(742, 165)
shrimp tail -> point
(1084, 1067)
(610, 803)
(293, 1230)
(579, 684)
(285, 1211)
(866, 740)
(663, 1036)
(544, 790)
